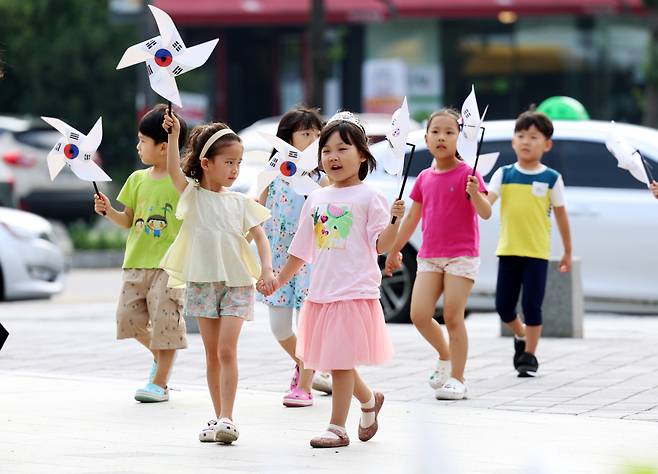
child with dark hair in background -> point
(300, 127)
(529, 191)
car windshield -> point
(38, 138)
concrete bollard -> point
(563, 306)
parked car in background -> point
(376, 126)
(613, 217)
(24, 145)
(6, 186)
(33, 256)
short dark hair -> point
(540, 120)
(352, 135)
(151, 125)
(298, 118)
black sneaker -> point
(527, 365)
(519, 348)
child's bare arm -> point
(262, 199)
(389, 234)
(565, 232)
(492, 197)
(407, 228)
(121, 218)
(480, 202)
(654, 189)
(172, 124)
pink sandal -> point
(298, 398)
(367, 433)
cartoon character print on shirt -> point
(332, 224)
(154, 223)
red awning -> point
(479, 8)
(244, 12)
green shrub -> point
(99, 236)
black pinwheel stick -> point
(406, 175)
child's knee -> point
(227, 355)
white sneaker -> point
(453, 389)
(441, 374)
(322, 382)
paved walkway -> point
(66, 403)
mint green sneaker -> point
(152, 393)
(154, 369)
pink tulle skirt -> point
(343, 335)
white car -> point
(613, 217)
(33, 259)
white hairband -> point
(216, 136)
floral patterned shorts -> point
(215, 299)
(467, 267)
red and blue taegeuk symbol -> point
(288, 168)
(163, 57)
(71, 151)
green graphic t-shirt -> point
(155, 226)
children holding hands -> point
(211, 257)
(342, 229)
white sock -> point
(332, 435)
(368, 417)
(519, 338)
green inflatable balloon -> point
(561, 107)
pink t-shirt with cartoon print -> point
(337, 232)
(450, 222)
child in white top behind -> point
(212, 258)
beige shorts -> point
(215, 299)
(148, 307)
(467, 267)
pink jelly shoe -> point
(298, 398)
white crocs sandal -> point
(225, 431)
(208, 433)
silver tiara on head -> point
(347, 116)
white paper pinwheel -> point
(76, 151)
(628, 158)
(396, 137)
(291, 165)
(166, 57)
(469, 137)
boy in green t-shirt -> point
(529, 191)
(148, 310)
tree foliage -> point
(59, 60)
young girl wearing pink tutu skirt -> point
(342, 228)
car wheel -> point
(396, 290)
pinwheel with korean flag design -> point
(76, 151)
(396, 137)
(628, 158)
(166, 57)
(397, 147)
(469, 142)
(291, 165)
